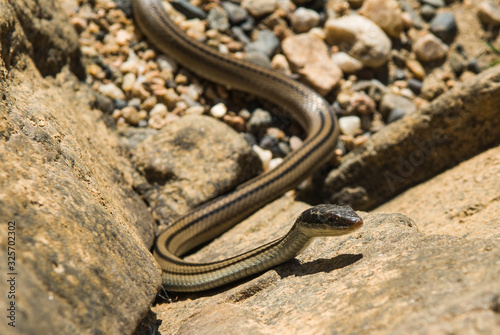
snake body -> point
(213, 218)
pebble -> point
(416, 68)
(414, 17)
(279, 63)
(218, 110)
(350, 125)
(295, 143)
(264, 155)
(258, 58)
(397, 105)
(195, 110)
(259, 8)
(347, 63)
(434, 3)
(415, 85)
(395, 114)
(248, 25)
(123, 37)
(304, 19)
(260, 119)
(266, 43)
(457, 63)
(149, 103)
(473, 65)
(432, 87)
(128, 82)
(120, 103)
(217, 18)
(361, 104)
(158, 109)
(427, 12)
(386, 14)
(245, 114)
(309, 55)
(235, 13)
(130, 115)
(366, 41)
(187, 9)
(235, 121)
(444, 26)
(112, 91)
(270, 143)
(489, 14)
(240, 35)
(167, 63)
(430, 48)
(250, 139)
(195, 28)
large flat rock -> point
(82, 263)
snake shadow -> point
(295, 268)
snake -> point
(313, 113)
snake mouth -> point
(357, 224)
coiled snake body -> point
(213, 218)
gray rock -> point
(434, 3)
(190, 161)
(82, 233)
(240, 35)
(266, 43)
(415, 85)
(429, 48)
(415, 18)
(489, 13)
(360, 38)
(258, 58)
(444, 26)
(304, 19)
(248, 25)
(271, 143)
(259, 8)
(235, 13)
(217, 18)
(259, 120)
(425, 142)
(473, 65)
(396, 105)
(457, 63)
(427, 12)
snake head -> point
(329, 220)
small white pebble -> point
(195, 110)
(350, 125)
(218, 110)
(123, 37)
(130, 66)
(275, 162)
(159, 109)
(128, 81)
(167, 63)
(194, 91)
(295, 143)
(112, 91)
(347, 63)
(318, 32)
(264, 155)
